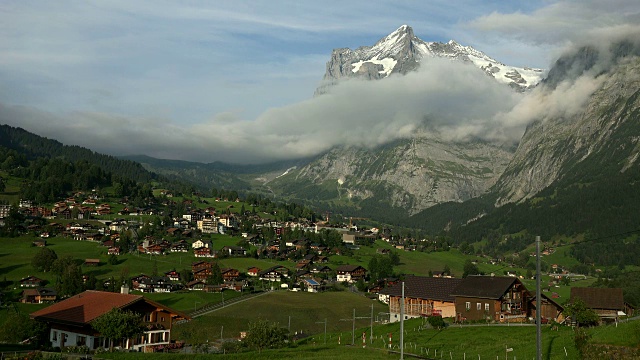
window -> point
(486, 307)
(162, 318)
(54, 336)
(147, 317)
(81, 340)
(468, 306)
(478, 306)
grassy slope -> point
(307, 311)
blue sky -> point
(185, 68)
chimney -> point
(124, 289)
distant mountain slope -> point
(570, 175)
(34, 146)
(402, 51)
(603, 136)
(217, 174)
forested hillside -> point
(33, 146)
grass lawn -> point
(188, 301)
(457, 343)
(306, 311)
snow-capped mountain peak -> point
(401, 51)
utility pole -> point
(353, 329)
(538, 302)
(325, 328)
(371, 327)
(353, 326)
(402, 325)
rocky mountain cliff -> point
(602, 134)
(402, 51)
(409, 174)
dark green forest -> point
(31, 146)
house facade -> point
(549, 309)
(350, 273)
(608, 303)
(491, 298)
(423, 296)
(70, 320)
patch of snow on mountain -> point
(387, 65)
(286, 172)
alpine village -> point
(106, 257)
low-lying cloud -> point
(454, 100)
(443, 95)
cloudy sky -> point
(233, 80)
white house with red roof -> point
(70, 320)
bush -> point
(436, 322)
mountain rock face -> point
(603, 138)
(409, 174)
(402, 51)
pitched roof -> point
(599, 298)
(87, 306)
(349, 268)
(423, 287)
(486, 287)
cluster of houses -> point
(491, 299)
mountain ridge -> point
(401, 52)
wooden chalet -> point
(91, 262)
(230, 275)
(423, 296)
(550, 310)
(203, 252)
(31, 281)
(173, 275)
(608, 303)
(156, 284)
(274, 273)
(234, 251)
(70, 320)
(491, 298)
(253, 271)
(197, 285)
(350, 273)
(38, 296)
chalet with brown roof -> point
(253, 271)
(350, 273)
(234, 251)
(199, 265)
(320, 269)
(172, 231)
(135, 281)
(423, 296)
(492, 298)
(203, 252)
(550, 310)
(114, 250)
(38, 296)
(31, 281)
(303, 264)
(608, 303)
(196, 285)
(180, 246)
(275, 273)
(91, 262)
(173, 275)
(230, 275)
(70, 320)
(202, 274)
